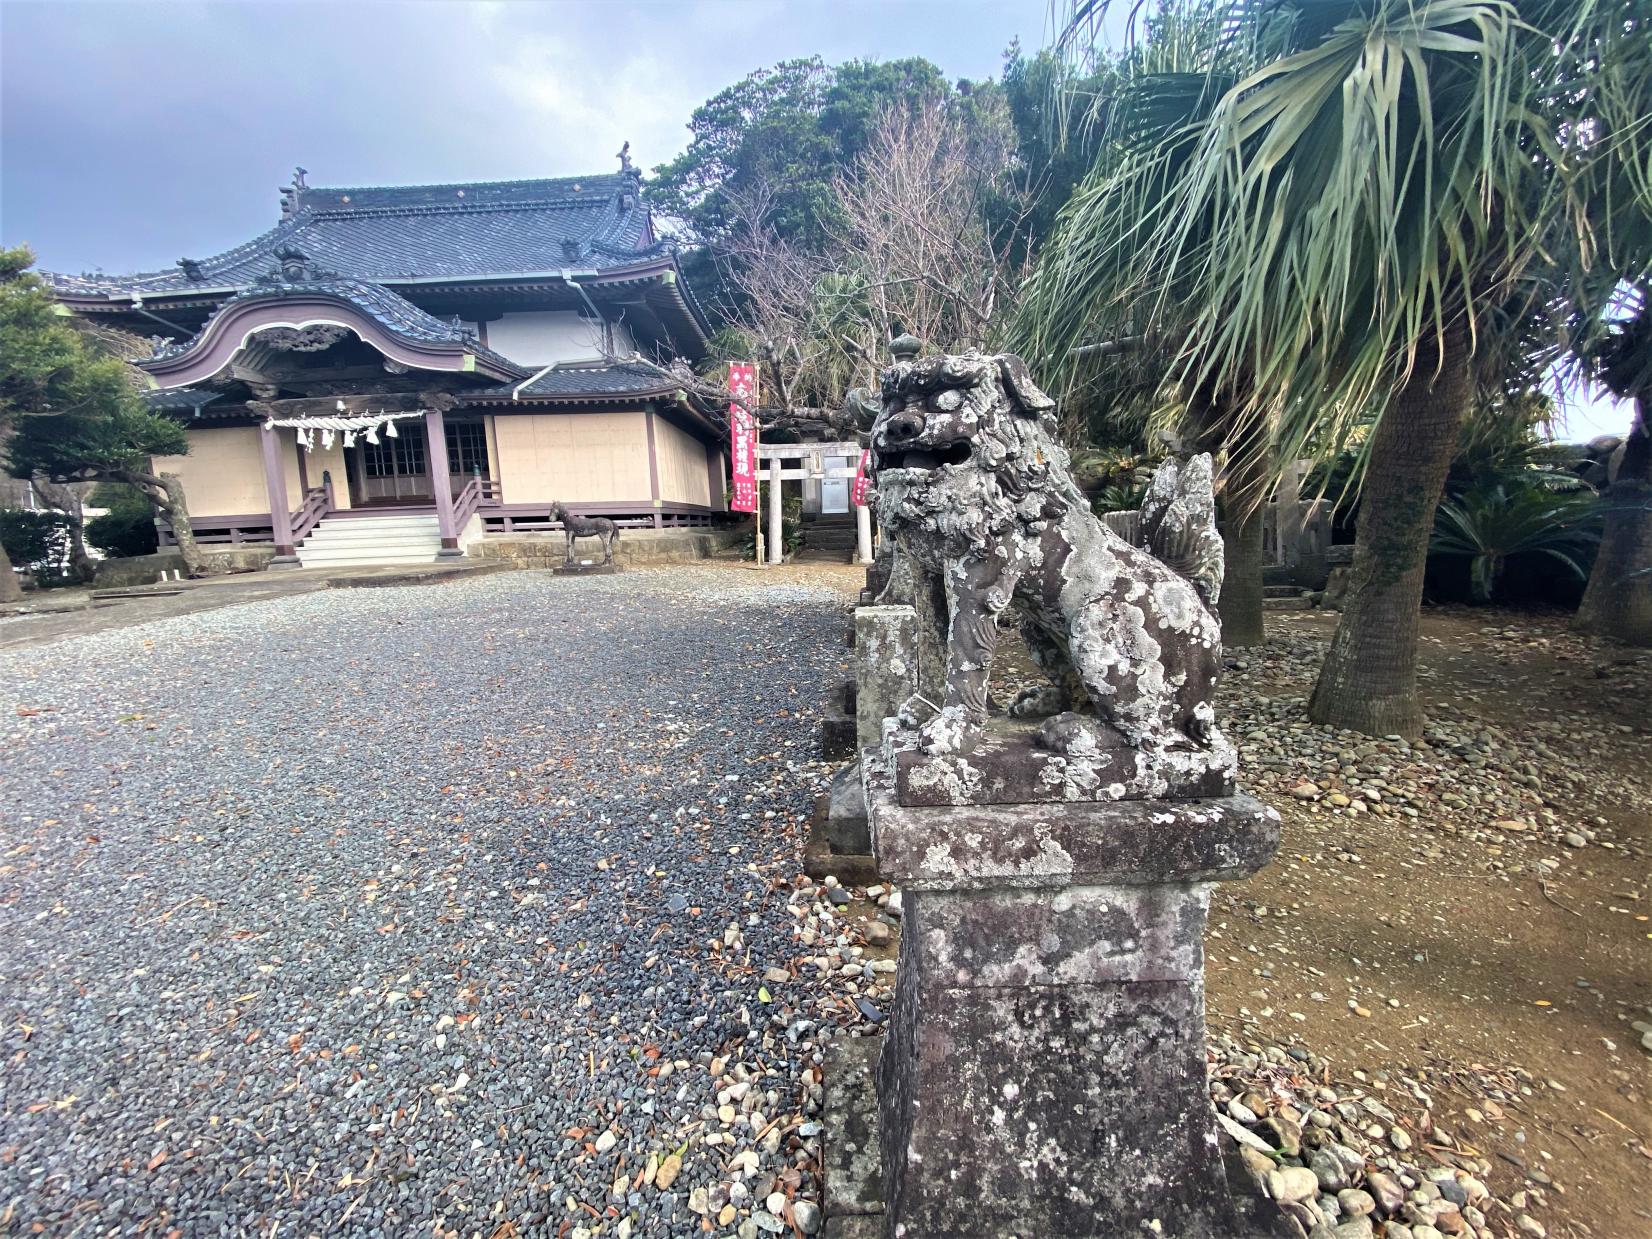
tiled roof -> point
(622, 378)
(426, 231)
(180, 399)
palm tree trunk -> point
(11, 589)
(1617, 602)
(1369, 680)
(1244, 501)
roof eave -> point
(228, 331)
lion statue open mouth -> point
(973, 485)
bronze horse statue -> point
(576, 526)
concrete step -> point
(333, 559)
(341, 541)
(340, 537)
(378, 522)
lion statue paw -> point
(1069, 733)
(1037, 701)
(950, 731)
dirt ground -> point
(1468, 975)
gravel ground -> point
(455, 910)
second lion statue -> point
(973, 484)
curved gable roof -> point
(394, 326)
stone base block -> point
(852, 1153)
(1010, 766)
(840, 838)
(854, 1197)
(586, 569)
(1043, 1072)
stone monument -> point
(1044, 1069)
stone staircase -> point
(1286, 598)
(346, 541)
(829, 538)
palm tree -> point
(1385, 183)
(1142, 119)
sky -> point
(135, 133)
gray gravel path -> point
(374, 913)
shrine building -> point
(390, 373)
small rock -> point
(1356, 1203)
(806, 1215)
(1386, 1191)
(667, 1174)
(1291, 1184)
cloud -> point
(579, 119)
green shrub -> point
(37, 542)
(791, 528)
(129, 527)
(1492, 524)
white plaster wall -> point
(540, 337)
(223, 474)
(589, 457)
(684, 477)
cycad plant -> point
(1490, 525)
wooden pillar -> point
(653, 469)
(863, 533)
(777, 547)
(275, 487)
(435, 437)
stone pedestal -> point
(1044, 1068)
(586, 569)
(886, 666)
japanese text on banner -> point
(742, 386)
(859, 487)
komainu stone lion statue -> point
(973, 484)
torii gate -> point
(810, 458)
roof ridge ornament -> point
(293, 266)
(290, 194)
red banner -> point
(858, 488)
(742, 385)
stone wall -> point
(146, 569)
(635, 547)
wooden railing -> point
(536, 518)
(479, 492)
(317, 506)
